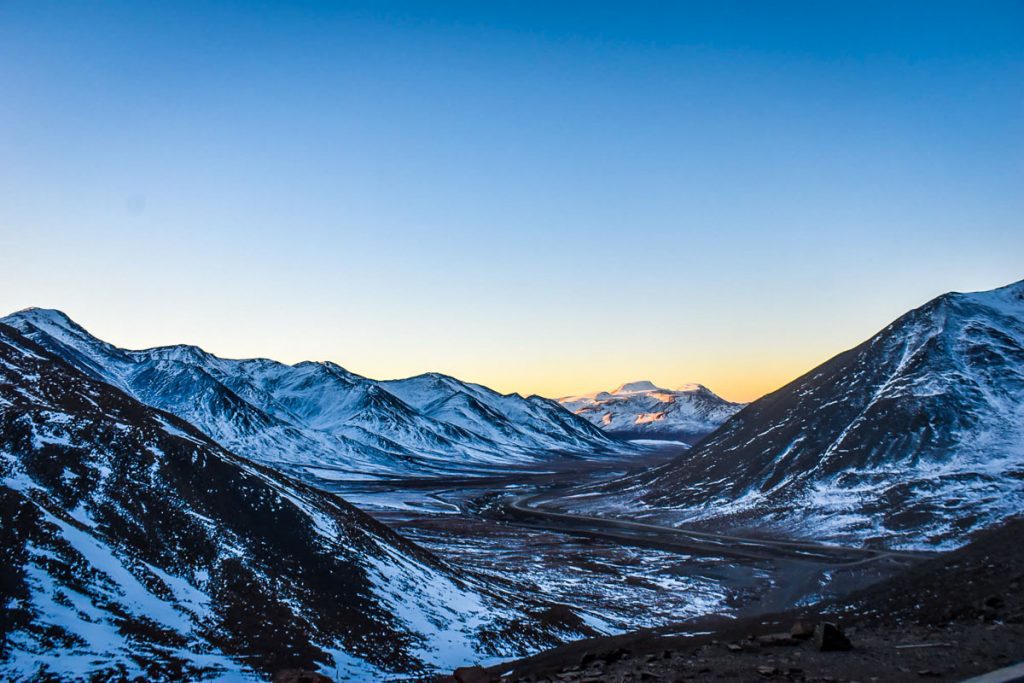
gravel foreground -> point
(946, 619)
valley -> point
(275, 517)
(511, 342)
(617, 573)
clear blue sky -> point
(549, 197)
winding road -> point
(527, 510)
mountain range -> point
(914, 438)
(322, 419)
(160, 517)
(642, 410)
(135, 547)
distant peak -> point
(327, 368)
(331, 365)
(49, 320)
(179, 352)
(432, 376)
(693, 388)
(1012, 292)
(636, 387)
(49, 314)
(1009, 298)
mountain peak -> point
(49, 320)
(642, 409)
(52, 316)
(638, 386)
(924, 412)
(1009, 296)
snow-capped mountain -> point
(321, 417)
(642, 410)
(134, 547)
(913, 438)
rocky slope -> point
(642, 410)
(132, 545)
(948, 618)
(322, 418)
(915, 438)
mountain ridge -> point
(913, 438)
(320, 414)
(133, 545)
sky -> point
(549, 197)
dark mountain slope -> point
(948, 618)
(915, 437)
(132, 545)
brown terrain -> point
(948, 618)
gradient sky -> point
(542, 197)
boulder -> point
(830, 638)
(472, 674)
(802, 630)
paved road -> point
(528, 510)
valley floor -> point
(618, 576)
(949, 618)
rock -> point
(829, 638)
(993, 602)
(766, 670)
(802, 630)
(614, 655)
(299, 676)
(560, 615)
(472, 674)
(774, 639)
(735, 647)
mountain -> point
(915, 438)
(322, 418)
(642, 410)
(135, 547)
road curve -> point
(526, 509)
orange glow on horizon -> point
(740, 382)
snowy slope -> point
(913, 438)
(320, 415)
(533, 423)
(134, 546)
(643, 410)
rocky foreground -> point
(948, 618)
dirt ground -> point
(947, 618)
